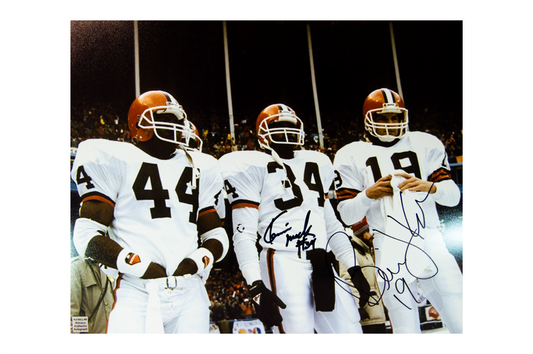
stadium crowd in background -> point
(103, 121)
(228, 295)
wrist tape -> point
(132, 263)
(203, 258)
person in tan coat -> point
(91, 296)
(373, 318)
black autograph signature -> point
(305, 239)
(400, 284)
(388, 275)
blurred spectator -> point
(228, 295)
(247, 309)
(373, 319)
(218, 311)
(91, 294)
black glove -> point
(266, 304)
(363, 314)
(361, 284)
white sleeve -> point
(353, 203)
(244, 242)
(332, 223)
(447, 194)
(95, 171)
(211, 185)
(338, 240)
(220, 204)
(355, 209)
(242, 181)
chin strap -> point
(277, 158)
(195, 171)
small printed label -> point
(80, 324)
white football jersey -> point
(290, 202)
(155, 205)
(360, 164)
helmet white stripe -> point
(388, 96)
(283, 108)
(169, 98)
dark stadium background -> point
(269, 63)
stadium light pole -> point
(395, 57)
(315, 94)
(136, 53)
(228, 84)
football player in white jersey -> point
(280, 195)
(395, 180)
(148, 210)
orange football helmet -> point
(385, 101)
(143, 122)
(268, 132)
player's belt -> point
(173, 281)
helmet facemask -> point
(387, 131)
(279, 125)
(162, 120)
(283, 128)
(385, 101)
(191, 138)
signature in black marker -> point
(305, 240)
(373, 299)
(400, 284)
(388, 274)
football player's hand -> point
(154, 271)
(380, 189)
(363, 314)
(361, 284)
(267, 304)
(186, 266)
(415, 184)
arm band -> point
(84, 230)
(219, 234)
(131, 263)
(203, 258)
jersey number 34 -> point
(311, 178)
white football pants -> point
(291, 278)
(164, 305)
(444, 291)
